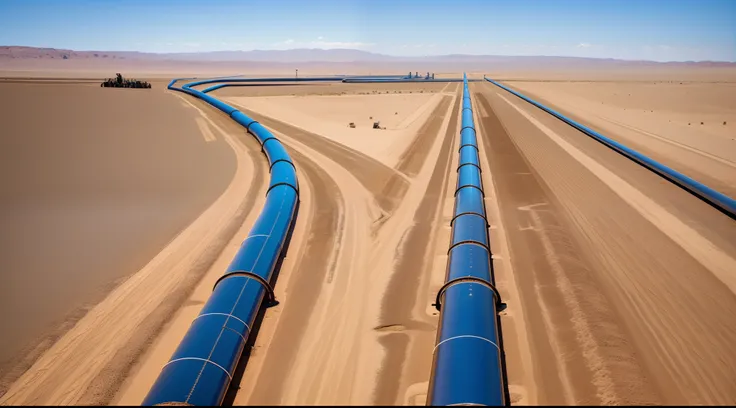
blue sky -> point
(661, 30)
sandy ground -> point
(345, 315)
(141, 207)
(689, 126)
(401, 115)
(621, 283)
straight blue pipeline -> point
(229, 82)
(467, 366)
(273, 79)
(202, 367)
(401, 80)
(720, 201)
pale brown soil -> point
(619, 285)
(626, 281)
(116, 198)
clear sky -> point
(661, 30)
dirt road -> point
(627, 282)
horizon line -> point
(201, 52)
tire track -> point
(659, 148)
(415, 260)
(413, 158)
(668, 336)
(559, 295)
(314, 267)
(387, 186)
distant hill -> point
(332, 56)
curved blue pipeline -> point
(467, 366)
(202, 367)
(720, 201)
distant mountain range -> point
(328, 56)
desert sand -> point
(338, 288)
(130, 202)
(95, 182)
(619, 285)
(625, 281)
(687, 125)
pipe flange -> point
(269, 289)
(496, 295)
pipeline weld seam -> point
(270, 233)
(242, 290)
(199, 359)
(236, 332)
(464, 336)
(223, 314)
(254, 236)
(199, 376)
(237, 301)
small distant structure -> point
(120, 82)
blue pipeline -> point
(273, 79)
(230, 81)
(400, 80)
(175, 80)
(238, 81)
(720, 201)
(467, 366)
(202, 367)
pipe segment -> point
(720, 201)
(201, 369)
(402, 80)
(467, 367)
(230, 81)
(468, 201)
(468, 176)
(468, 157)
(468, 139)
